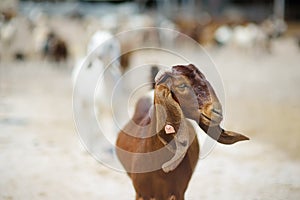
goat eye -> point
(181, 86)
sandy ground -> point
(41, 156)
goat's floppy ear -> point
(229, 137)
(223, 136)
(182, 142)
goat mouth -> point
(210, 120)
(206, 117)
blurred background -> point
(254, 45)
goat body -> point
(157, 184)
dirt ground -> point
(41, 156)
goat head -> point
(189, 89)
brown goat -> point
(159, 147)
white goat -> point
(101, 63)
(103, 50)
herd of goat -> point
(44, 39)
(158, 147)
